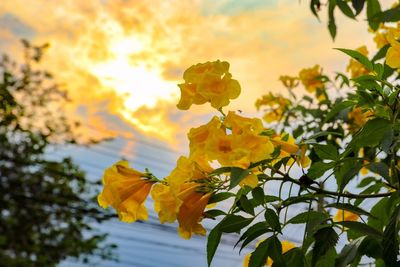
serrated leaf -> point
(359, 57)
(272, 219)
(234, 223)
(308, 216)
(214, 237)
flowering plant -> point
(334, 153)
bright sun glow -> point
(139, 84)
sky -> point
(121, 61)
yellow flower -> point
(344, 215)
(244, 144)
(239, 149)
(125, 189)
(393, 53)
(239, 124)
(181, 197)
(166, 204)
(303, 159)
(310, 78)
(356, 68)
(277, 106)
(250, 180)
(208, 82)
(286, 246)
(357, 119)
(198, 138)
(191, 211)
(380, 40)
(289, 81)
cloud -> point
(125, 57)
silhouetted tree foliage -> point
(47, 206)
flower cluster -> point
(389, 35)
(208, 82)
(311, 78)
(230, 141)
(277, 105)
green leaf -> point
(344, 7)
(325, 238)
(349, 207)
(294, 258)
(371, 134)
(220, 171)
(314, 136)
(214, 213)
(272, 219)
(319, 168)
(269, 198)
(326, 151)
(390, 15)
(348, 253)
(345, 171)
(358, 5)
(373, 9)
(381, 53)
(382, 169)
(359, 57)
(361, 228)
(246, 205)
(237, 175)
(390, 240)
(253, 231)
(214, 237)
(258, 195)
(220, 197)
(270, 247)
(234, 223)
(331, 20)
(253, 235)
(337, 108)
(314, 7)
(308, 216)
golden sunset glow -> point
(125, 58)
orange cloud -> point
(125, 57)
